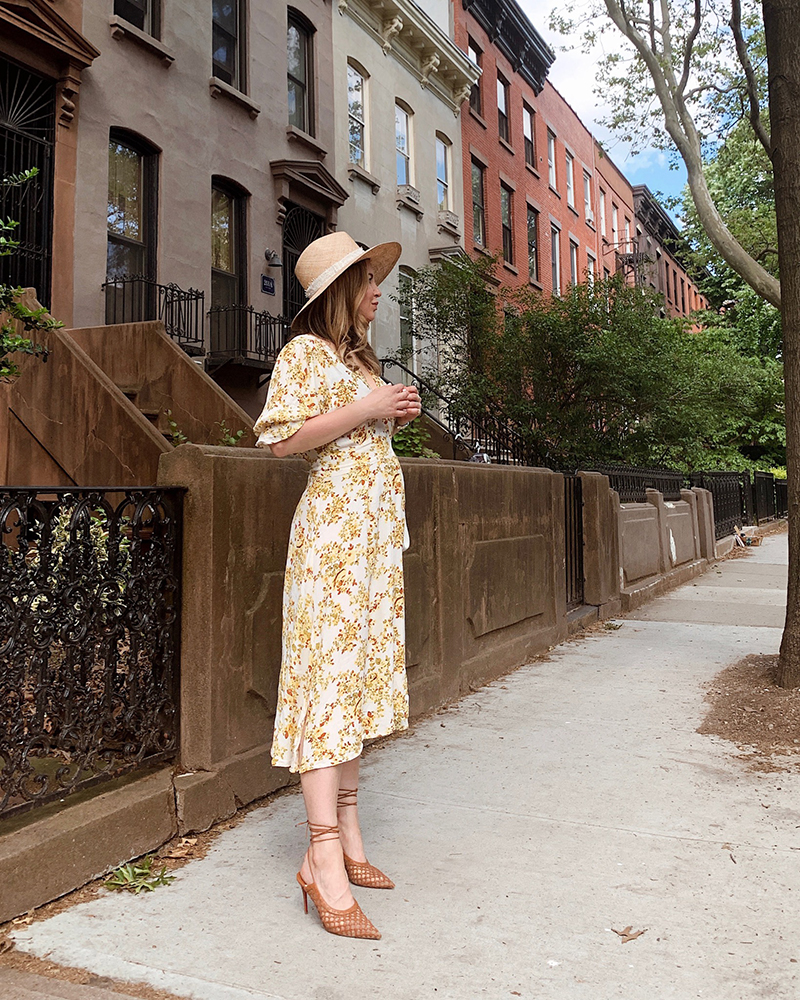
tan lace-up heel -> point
(361, 872)
(351, 922)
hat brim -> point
(383, 257)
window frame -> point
(478, 207)
(529, 141)
(503, 120)
(507, 222)
(555, 258)
(627, 231)
(475, 94)
(603, 220)
(588, 211)
(149, 173)
(363, 76)
(406, 155)
(614, 226)
(574, 274)
(533, 244)
(151, 15)
(441, 140)
(239, 197)
(306, 30)
(569, 172)
(238, 80)
(552, 173)
(591, 268)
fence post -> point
(600, 541)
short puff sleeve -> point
(297, 391)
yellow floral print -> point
(343, 676)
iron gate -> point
(300, 227)
(573, 540)
(27, 124)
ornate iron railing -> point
(136, 298)
(241, 333)
(730, 496)
(477, 433)
(89, 637)
(632, 483)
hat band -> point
(324, 278)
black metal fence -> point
(135, 299)
(242, 333)
(731, 495)
(573, 540)
(632, 483)
(89, 637)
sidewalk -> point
(572, 797)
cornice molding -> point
(37, 20)
(406, 33)
(515, 36)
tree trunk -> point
(783, 58)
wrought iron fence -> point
(479, 433)
(243, 333)
(781, 498)
(136, 298)
(573, 539)
(730, 494)
(764, 496)
(89, 637)
(632, 483)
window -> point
(142, 14)
(570, 181)
(131, 213)
(478, 213)
(506, 221)
(227, 42)
(614, 224)
(476, 56)
(587, 198)
(628, 247)
(533, 243)
(666, 281)
(407, 344)
(502, 108)
(602, 212)
(573, 263)
(551, 160)
(683, 297)
(401, 141)
(356, 116)
(299, 74)
(591, 268)
(555, 261)
(131, 227)
(442, 173)
(228, 256)
(528, 133)
(675, 287)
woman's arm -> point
(389, 402)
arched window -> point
(403, 116)
(228, 243)
(131, 217)
(300, 72)
(357, 113)
(443, 172)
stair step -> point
(130, 390)
(151, 412)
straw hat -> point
(322, 261)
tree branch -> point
(687, 52)
(750, 76)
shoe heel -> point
(303, 890)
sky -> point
(571, 74)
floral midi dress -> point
(343, 676)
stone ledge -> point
(654, 586)
(55, 849)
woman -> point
(343, 672)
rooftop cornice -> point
(515, 36)
(407, 34)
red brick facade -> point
(583, 205)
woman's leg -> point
(323, 862)
(349, 829)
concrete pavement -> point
(521, 826)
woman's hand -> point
(394, 402)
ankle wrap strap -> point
(318, 832)
(347, 797)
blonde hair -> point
(334, 317)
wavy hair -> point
(334, 317)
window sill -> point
(532, 169)
(295, 134)
(355, 172)
(449, 222)
(120, 28)
(505, 144)
(573, 210)
(481, 249)
(219, 88)
(536, 284)
(554, 191)
(477, 117)
(510, 267)
(408, 197)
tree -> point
(12, 310)
(783, 54)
